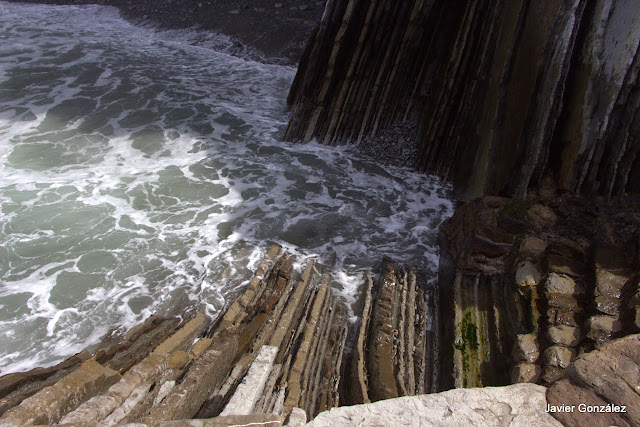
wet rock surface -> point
(396, 341)
(527, 302)
(279, 346)
(505, 311)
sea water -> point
(141, 173)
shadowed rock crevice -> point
(395, 344)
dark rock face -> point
(566, 393)
(605, 378)
(506, 93)
(520, 307)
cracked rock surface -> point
(516, 405)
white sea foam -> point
(140, 171)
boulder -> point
(609, 284)
(559, 356)
(613, 372)
(551, 374)
(565, 394)
(525, 373)
(526, 348)
(603, 328)
(562, 316)
(608, 305)
(563, 301)
(542, 216)
(516, 405)
(557, 283)
(564, 335)
(533, 247)
(565, 265)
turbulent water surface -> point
(140, 172)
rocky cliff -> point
(526, 286)
(507, 94)
(538, 101)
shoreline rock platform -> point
(279, 346)
(542, 288)
(284, 348)
(284, 353)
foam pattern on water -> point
(140, 173)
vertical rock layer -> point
(396, 343)
(526, 287)
(506, 93)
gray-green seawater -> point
(140, 172)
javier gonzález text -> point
(587, 408)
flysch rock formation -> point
(279, 346)
(602, 389)
(518, 309)
(506, 94)
(527, 286)
(537, 100)
(396, 340)
(533, 100)
(538, 291)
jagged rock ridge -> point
(279, 346)
(506, 93)
(396, 342)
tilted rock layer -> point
(279, 346)
(396, 341)
(506, 93)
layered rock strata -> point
(279, 346)
(602, 389)
(520, 301)
(531, 285)
(395, 349)
(506, 93)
